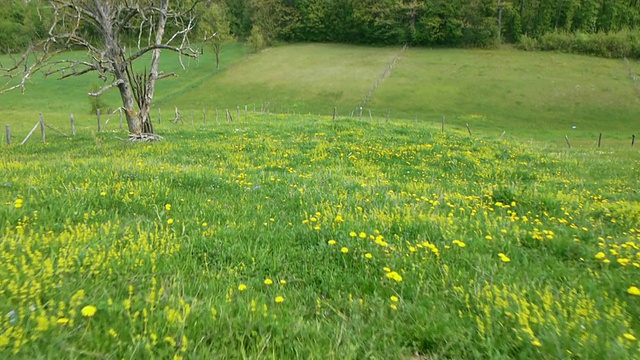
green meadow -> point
(290, 234)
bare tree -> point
(102, 28)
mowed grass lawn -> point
(301, 237)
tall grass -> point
(301, 237)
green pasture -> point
(537, 96)
(296, 236)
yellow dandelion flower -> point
(504, 258)
(368, 256)
(167, 207)
(393, 307)
(103, 193)
(394, 276)
(600, 255)
(394, 298)
(242, 287)
(88, 311)
(17, 204)
(344, 250)
(633, 290)
(629, 337)
(113, 333)
(268, 281)
(279, 299)
(283, 282)
(363, 235)
(62, 321)
(331, 242)
(170, 221)
(204, 224)
(353, 234)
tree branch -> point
(110, 86)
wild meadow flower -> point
(629, 337)
(283, 282)
(394, 276)
(600, 255)
(88, 311)
(368, 256)
(536, 343)
(62, 321)
(17, 204)
(331, 242)
(344, 250)
(394, 298)
(167, 207)
(279, 299)
(169, 221)
(504, 258)
(268, 281)
(353, 234)
(242, 287)
(459, 243)
(633, 290)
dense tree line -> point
(381, 22)
(427, 22)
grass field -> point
(300, 237)
(297, 236)
(528, 95)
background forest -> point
(599, 27)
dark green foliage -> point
(609, 45)
(466, 23)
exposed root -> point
(144, 137)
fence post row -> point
(8, 132)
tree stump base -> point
(145, 137)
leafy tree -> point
(214, 25)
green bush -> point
(609, 45)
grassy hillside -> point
(528, 95)
(301, 237)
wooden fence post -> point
(335, 112)
(191, 117)
(469, 129)
(633, 140)
(8, 132)
(30, 133)
(73, 125)
(600, 140)
(370, 115)
(204, 115)
(159, 115)
(443, 122)
(388, 115)
(237, 112)
(566, 137)
(98, 113)
(42, 130)
(121, 119)
(217, 122)
(246, 116)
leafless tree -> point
(102, 28)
